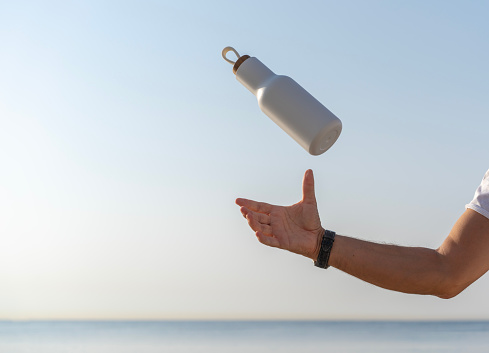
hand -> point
(296, 228)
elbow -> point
(449, 293)
(452, 283)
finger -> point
(261, 207)
(256, 226)
(308, 194)
(267, 240)
(260, 217)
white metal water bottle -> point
(289, 105)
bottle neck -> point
(253, 74)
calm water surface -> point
(242, 336)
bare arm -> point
(459, 261)
(444, 272)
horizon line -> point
(4, 320)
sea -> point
(242, 336)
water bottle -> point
(289, 105)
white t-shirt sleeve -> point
(480, 203)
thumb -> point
(308, 195)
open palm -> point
(296, 228)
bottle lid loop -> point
(226, 50)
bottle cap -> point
(238, 62)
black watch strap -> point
(325, 250)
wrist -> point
(327, 241)
(317, 246)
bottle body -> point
(291, 107)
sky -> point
(125, 140)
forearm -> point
(404, 269)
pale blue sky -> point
(125, 138)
